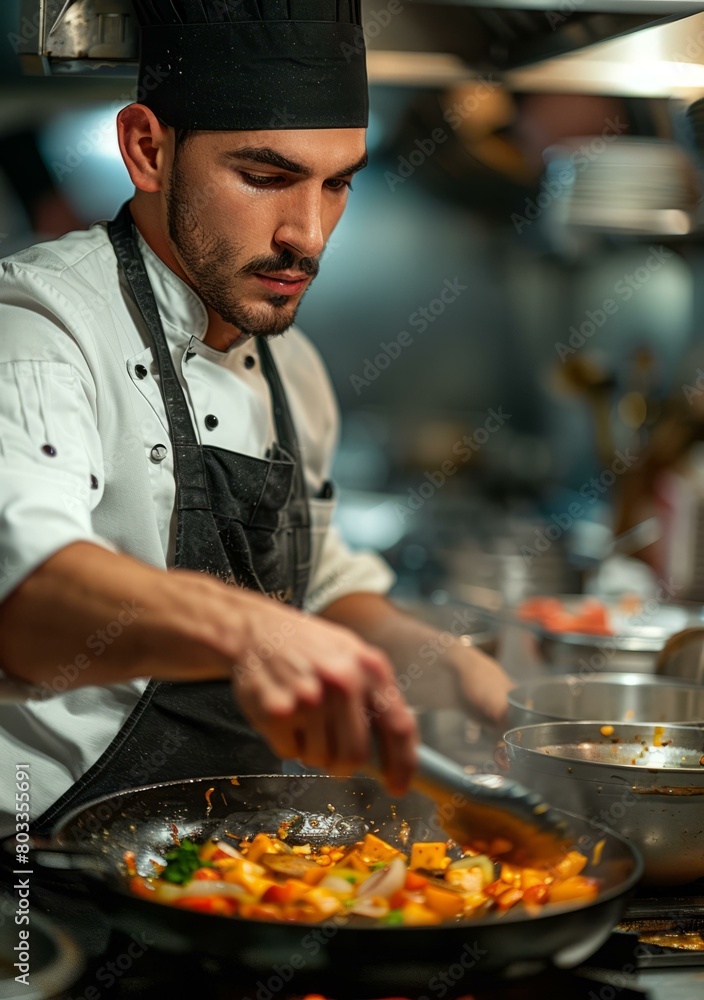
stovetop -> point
(670, 925)
(119, 976)
(126, 970)
(625, 968)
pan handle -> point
(496, 805)
(48, 854)
(13, 692)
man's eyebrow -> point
(359, 165)
(270, 158)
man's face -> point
(249, 214)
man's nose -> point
(301, 230)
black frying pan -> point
(94, 839)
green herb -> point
(351, 878)
(378, 864)
(394, 918)
(349, 902)
(182, 862)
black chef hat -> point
(253, 64)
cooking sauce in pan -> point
(289, 875)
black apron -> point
(245, 520)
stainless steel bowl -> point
(639, 637)
(625, 697)
(651, 794)
(570, 652)
(682, 656)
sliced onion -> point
(280, 845)
(166, 892)
(480, 861)
(386, 881)
(232, 852)
(336, 884)
(289, 865)
(374, 908)
(465, 880)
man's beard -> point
(211, 263)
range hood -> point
(409, 41)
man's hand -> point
(311, 689)
(91, 616)
(483, 682)
(435, 668)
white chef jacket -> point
(85, 455)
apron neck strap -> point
(121, 233)
(285, 430)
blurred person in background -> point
(48, 211)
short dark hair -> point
(183, 135)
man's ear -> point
(147, 147)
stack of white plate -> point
(621, 184)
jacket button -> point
(249, 361)
(158, 453)
(140, 371)
(211, 421)
(49, 450)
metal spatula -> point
(487, 807)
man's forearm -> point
(434, 669)
(418, 651)
(90, 616)
(301, 682)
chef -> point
(159, 411)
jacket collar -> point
(179, 306)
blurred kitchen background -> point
(512, 308)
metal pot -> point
(652, 794)
(625, 697)
(683, 656)
(639, 637)
(569, 652)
